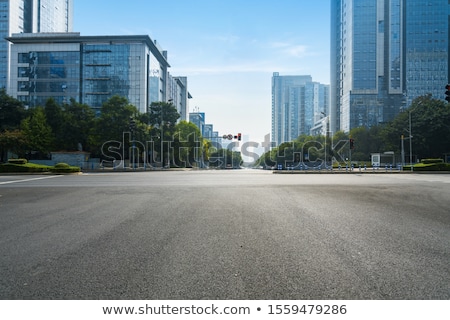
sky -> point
(228, 49)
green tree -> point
(362, 144)
(186, 139)
(12, 112)
(225, 158)
(113, 122)
(430, 129)
(54, 114)
(163, 118)
(78, 125)
(163, 113)
(37, 132)
(14, 141)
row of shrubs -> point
(22, 165)
(430, 165)
(424, 165)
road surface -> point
(237, 234)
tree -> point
(55, 119)
(12, 112)
(14, 141)
(113, 122)
(225, 158)
(37, 132)
(430, 119)
(78, 125)
(163, 112)
(430, 129)
(186, 139)
(163, 117)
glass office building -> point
(89, 69)
(297, 103)
(384, 54)
(426, 48)
(30, 16)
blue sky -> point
(228, 49)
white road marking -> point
(32, 179)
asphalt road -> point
(225, 235)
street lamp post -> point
(410, 142)
(326, 135)
(162, 134)
(410, 134)
(403, 150)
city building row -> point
(91, 69)
(41, 57)
(384, 54)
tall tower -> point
(30, 16)
(288, 106)
(366, 50)
(384, 54)
(426, 48)
(297, 103)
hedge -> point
(18, 161)
(37, 168)
(64, 168)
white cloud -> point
(298, 51)
(290, 49)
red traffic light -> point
(238, 137)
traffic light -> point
(447, 92)
(352, 144)
(239, 137)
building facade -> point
(297, 104)
(89, 69)
(198, 118)
(30, 16)
(384, 54)
(179, 95)
(426, 48)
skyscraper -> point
(30, 16)
(384, 54)
(297, 103)
(426, 43)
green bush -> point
(429, 167)
(64, 168)
(37, 168)
(18, 161)
(430, 161)
(62, 165)
(28, 167)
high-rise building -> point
(384, 54)
(426, 47)
(30, 16)
(179, 95)
(89, 69)
(198, 118)
(297, 103)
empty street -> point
(237, 234)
